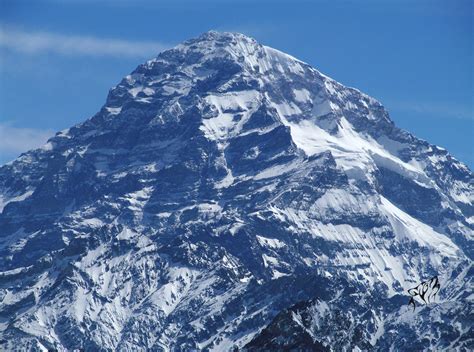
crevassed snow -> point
(358, 155)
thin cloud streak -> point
(439, 110)
(48, 42)
(16, 140)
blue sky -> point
(58, 59)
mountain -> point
(229, 196)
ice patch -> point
(227, 181)
(147, 91)
(270, 242)
(302, 95)
(228, 107)
(4, 199)
(406, 226)
(114, 111)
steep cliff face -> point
(221, 183)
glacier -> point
(229, 196)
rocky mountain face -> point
(229, 196)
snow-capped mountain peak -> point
(222, 182)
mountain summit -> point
(229, 196)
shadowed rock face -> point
(222, 183)
(372, 323)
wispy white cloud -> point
(254, 30)
(433, 109)
(15, 140)
(38, 42)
